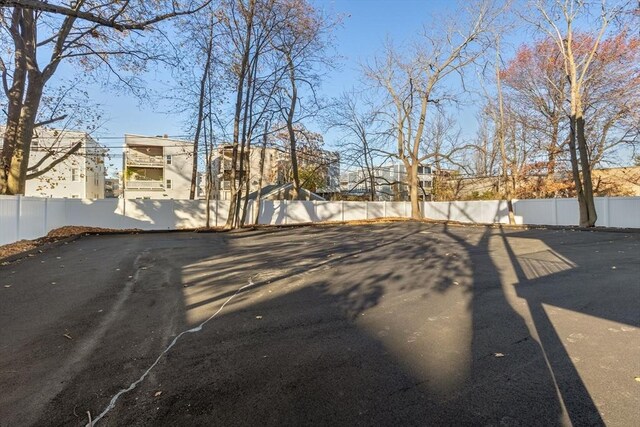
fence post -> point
(286, 211)
(607, 222)
(366, 210)
(342, 208)
(46, 214)
(555, 211)
(18, 212)
(384, 208)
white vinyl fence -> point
(32, 217)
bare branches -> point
(415, 88)
(39, 172)
(113, 20)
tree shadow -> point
(403, 323)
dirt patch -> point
(54, 236)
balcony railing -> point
(145, 185)
(144, 160)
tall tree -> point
(95, 34)
(359, 135)
(415, 85)
(558, 19)
(302, 46)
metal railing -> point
(144, 160)
(145, 185)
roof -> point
(282, 192)
(160, 141)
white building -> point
(156, 167)
(390, 182)
(80, 175)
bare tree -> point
(207, 50)
(416, 85)
(114, 14)
(359, 135)
(302, 45)
(557, 19)
(35, 34)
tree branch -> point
(54, 163)
(105, 22)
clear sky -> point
(366, 25)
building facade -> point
(390, 183)
(276, 170)
(80, 175)
(156, 167)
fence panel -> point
(397, 209)
(329, 211)
(535, 211)
(9, 220)
(32, 217)
(567, 212)
(300, 211)
(624, 212)
(273, 212)
(376, 210)
(190, 213)
(354, 211)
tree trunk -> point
(501, 137)
(575, 171)
(291, 130)
(20, 159)
(199, 124)
(233, 206)
(413, 191)
(587, 184)
(263, 153)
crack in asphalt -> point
(114, 399)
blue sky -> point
(366, 24)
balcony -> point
(136, 159)
(146, 184)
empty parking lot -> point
(397, 323)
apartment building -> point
(276, 170)
(80, 175)
(112, 188)
(156, 167)
(390, 182)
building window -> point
(75, 175)
(169, 184)
(168, 159)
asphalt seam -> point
(134, 384)
(250, 284)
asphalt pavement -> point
(383, 324)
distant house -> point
(112, 188)
(283, 192)
(390, 182)
(276, 170)
(156, 167)
(80, 175)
